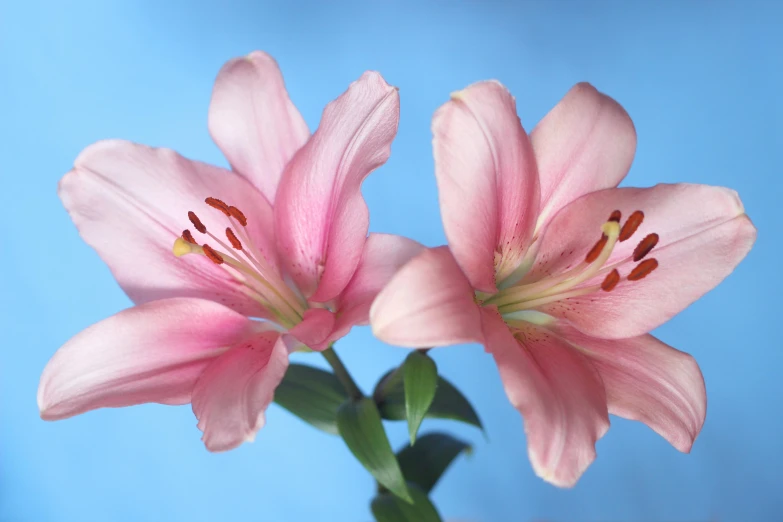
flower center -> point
(518, 302)
(243, 261)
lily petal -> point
(383, 256)
(487, 182)
(558, 393)
(321, 217)
(700, 244)
(315, 328)
(154, 352)
(254, 122)
(649, 381)
(429, 302)
(232, 395)
(130, 202)
(586, 143)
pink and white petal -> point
(383, 256)
(487, 182)
(232, 395)
(130, 202)
(153, 352)
(321, 217)
(673, 211)
(649, 381)
(586, 143)
(429, 302)
(254, 122)
(558, 393)
(315, 328)
(687, 270)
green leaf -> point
(362, 430)
(313, 395)
(388, 508)
(424, 462)
(420, 379)
(449, 403)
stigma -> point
(594, 274)
(236, 254)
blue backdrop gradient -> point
(702, 84)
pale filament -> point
(262, 269)
(239, 275)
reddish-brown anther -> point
(212, 255)
(642, 269)
(644, 246)
(218, 204)
(233, 239)
(610, 281)
(594, 252)
(238, 215)
(615, 216)
(631, 224)
(197, 222)
(187, 236)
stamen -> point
(197, 222)
(644, 246)
(218, 204)
(642, 269)
(212, 255)
(594, 252)
(611, 280)
(187, 236)
(233, 239)
(615, 216)
(631, 224)
(238, 215)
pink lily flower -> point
(561, 275)
(278, 255)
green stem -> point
(341, 372)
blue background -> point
(702, 84)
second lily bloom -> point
(561, 275)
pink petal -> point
(586, 143)
(322, 218)
(487, 182)
(558, 393)
(383, 256)
(149, 353)
(314, 329)
(252, 120)
(130, 202)
(429, 302)
(704, 234)
(232, 395)
(649, 381)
